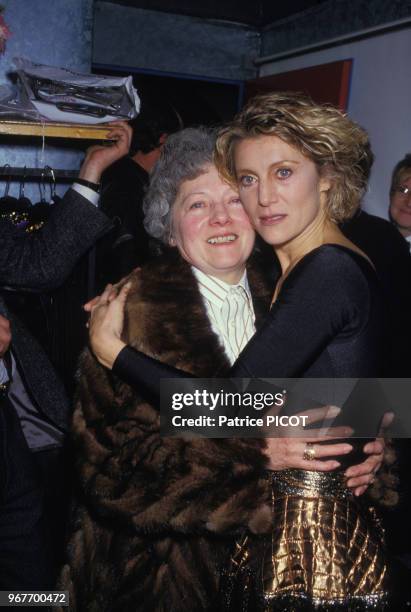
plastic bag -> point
(58, 94)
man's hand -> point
(100, 157)
(5, 336)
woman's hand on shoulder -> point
(106, 324)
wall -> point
(150, 40)
(329, 20)
(379, 99)
(59, 32)
(56, 32)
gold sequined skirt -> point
(325, 552)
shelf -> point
(55, 130)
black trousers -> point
(25, 556)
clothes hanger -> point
(8, 204)
(39, 212)
(24, 203)
(54, 198)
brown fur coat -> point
(157, 512)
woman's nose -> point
(219, 214)
(267, 193)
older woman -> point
(150, 534)
(137, 543)
(300, 169)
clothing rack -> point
(33, 174)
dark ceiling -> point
(257, 13)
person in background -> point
(35, 410)
(389, 251)
(400, 197)
(390, 254)
(123, 187)
(399, 527)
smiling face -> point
(280, 189)
(400, 205)
(210, 227)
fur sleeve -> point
(154, 484)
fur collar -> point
(166, 318)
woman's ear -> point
(171, 240)
(325, 184)
(325, 179)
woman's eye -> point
(284, 173)
(236, 201)
(195, 205)
(246, 180)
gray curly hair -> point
(184, 157)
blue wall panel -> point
(329, 20)
(143, 39)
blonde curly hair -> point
(338, 146)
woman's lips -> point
(272, 219)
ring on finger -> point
(309, 452)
